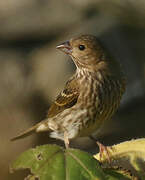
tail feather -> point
(25, 133)
(39, 127)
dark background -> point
(32, 71)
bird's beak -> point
(65, 47)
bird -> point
(91, 95)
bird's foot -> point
(104, 149)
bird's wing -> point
(66, 99)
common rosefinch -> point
(90, 96)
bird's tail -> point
(35, 128)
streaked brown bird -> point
(90, 96)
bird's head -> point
(85, 50)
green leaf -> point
(51, 162)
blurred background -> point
(32, 71)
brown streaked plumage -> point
(90, 96)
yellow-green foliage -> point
(129, 155)
(55, 163)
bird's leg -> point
(92, 138)
(103, 149)
(66, 140)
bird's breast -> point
(101, 99)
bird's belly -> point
(91, 127)
(96, 121)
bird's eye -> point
(81, 47)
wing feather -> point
(66, 99)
